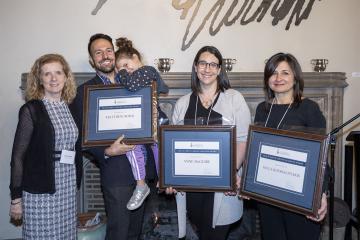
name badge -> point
(67, 157)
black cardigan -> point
(32, 160)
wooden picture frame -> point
(198, 158)
(111, 110)
(285, 168)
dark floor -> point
(160, 222)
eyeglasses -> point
(203, 65)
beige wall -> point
(31, 28)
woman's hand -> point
(118, 147)
(16, 209)
(230, 193)
(322, 210)
(238, 184)
(237, 187)
(170, 190)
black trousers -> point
(200, 212)
(278, 224)
(122, 224)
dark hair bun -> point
(123, 43)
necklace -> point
(206, 103)
(267, 119)
(211, 107)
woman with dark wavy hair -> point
(286, 108)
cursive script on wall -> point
(98, 6)
(247, 13)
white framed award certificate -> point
(198, 158)
(112, 110)
(285, 168)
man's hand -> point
(118, 147)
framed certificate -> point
(198, 158)
(112, 110)
(285, 169)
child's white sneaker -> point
(139, 195)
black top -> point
(202, 113)
(114, 171)
(306, 116)
(32, 160)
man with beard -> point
(117, 181)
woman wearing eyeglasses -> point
(211, 102)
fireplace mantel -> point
(181, 80)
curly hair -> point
(34, 89)
(126, 49)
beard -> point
(103, 69)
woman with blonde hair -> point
(45, 167)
